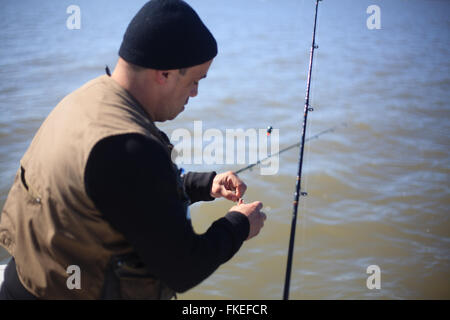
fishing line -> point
(292, 146)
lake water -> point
(378, 188)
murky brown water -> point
(378, 189)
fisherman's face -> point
(181, 87)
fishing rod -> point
(316, 136)
(297, 194)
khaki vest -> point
(49, 223)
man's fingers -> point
(263, 216)
(240, 190)
(238, 185)
(230, 195)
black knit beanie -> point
(165, 35)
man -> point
(97, 192)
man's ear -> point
(162, 76)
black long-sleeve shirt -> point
(130, 180)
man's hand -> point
(255, 217)
(228, 185)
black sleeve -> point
(130, 180)
(198, 185)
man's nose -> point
(194, 92)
